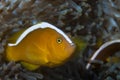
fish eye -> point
(59, 40)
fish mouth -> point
(71, 48)
(72, 44)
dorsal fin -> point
(37, 26)
(15, 36)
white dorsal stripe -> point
(101, 48)
(37, 26)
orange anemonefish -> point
(42, 44)
(105, 51)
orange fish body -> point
(40, 46)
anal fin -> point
(30, 66)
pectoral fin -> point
(37, 55)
